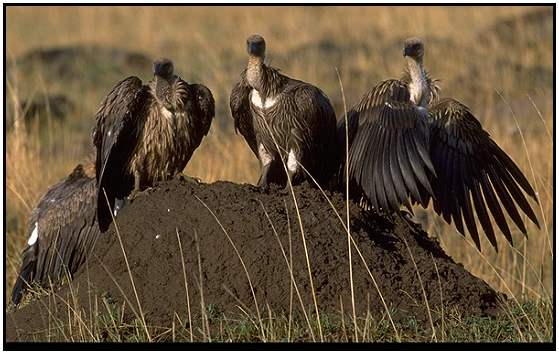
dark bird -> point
(406, 143)
(62, 231)
(147, 133)
(284, 121)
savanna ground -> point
(496, 60)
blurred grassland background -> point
(61, 61)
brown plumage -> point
(283, 119)
(405, 144)
(147, 133)
(61, 231)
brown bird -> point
(406, 143)
(284, 121)
(147, 133)
(61, 231)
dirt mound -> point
(221, 223)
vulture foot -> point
(189, 179)
(135, 193)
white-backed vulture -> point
(283, 119)
(406, 143)
(147, 133)
(62, 231)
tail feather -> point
(26, 274)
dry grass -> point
(505, 80)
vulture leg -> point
(136, 190)
(263, 181)
(266, 159)
(293, 168)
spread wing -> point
(62, 232)
(474, 174)
(240, 110)
(388, 154)
(120, 121)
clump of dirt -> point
(241, 246)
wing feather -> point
(120, 121)
(388, 156)
(242, 116)
(469, 163)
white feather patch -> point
(34, 235)
(256, 100)
(292, 161)
(264, 155)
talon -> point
(190, 179)
(132, 195)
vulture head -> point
(413, 48)
(163, 71)
(163, 68)
(256, 46)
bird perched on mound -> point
(62, 231)
(406, 143)
(147, 133)
(283, 119)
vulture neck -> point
(418, 83)
(256, 74)
(164, 92)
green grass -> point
(528, 323)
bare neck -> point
(418, 84)
(255, 72)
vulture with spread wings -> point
(407, 144)
(147, 133)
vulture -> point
(287, 123)
(62, 231)
(407, 144)
(146, 133)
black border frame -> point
(328, 346)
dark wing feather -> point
(65, 224)
(242, 116)
(312, 124)
(388, 157)
(474, 174)
(120, 121)
(206, 103)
